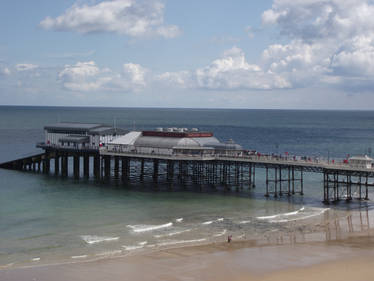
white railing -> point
(270, 159)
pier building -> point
(79, 135)
(188, 157)
(173, 141)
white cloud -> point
(87, 76)
(26, 66)
(230, 72)
(135, 73)
(129, 17)
(328, 42)
(4, 70)
(330, 39)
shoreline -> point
(238, 260)
(335, 230)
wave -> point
(210, 222)
(294, 216)
(143, 243)
(220, 234)
(179, 220)
(172, 233)
(144, 228)
(180, 242)
(79, 257)
(109, 253)
(93, 239)
(35, 259)
(131, 248)
(281, 215)
(302, 218)
(244, 222)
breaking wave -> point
(300, 214)
(210, 222)
(172, 233)
(221, 233)
(144, 228)
(93, 239)
(168, 243)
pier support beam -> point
(86, 166)
(142, 169)
(107, 168)
(46, 163)
(125, 169)
(76, 166)
(65, 165)
(57, 163)
(116, 167)
(155, 170)
(96, 166)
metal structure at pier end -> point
(187, 157)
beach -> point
(351, 258)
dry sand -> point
(348, 259)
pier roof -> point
(73, 126)
(89, 128)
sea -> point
(50, 220)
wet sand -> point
(347, 259)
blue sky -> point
(311, 54)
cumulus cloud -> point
(87, 76)
(4, 70)
(129, 17)
(26, 66)
(328, 42)
(230, 72)
(329, 39)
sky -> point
(276, 54)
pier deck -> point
(284, 175)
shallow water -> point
(44, 219)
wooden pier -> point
(283, 176)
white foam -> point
(144, 228)
(179, 220)
(210, 222)
(35, 259)
(172, 233)
(143, 243)
(244, 222)
(300, 218)
(7, 265)
(109, 253)
(221, 233)
(93, 239)
(180, 242)
(132, 248)
(79, 257)
(281, 215)
(294, 216)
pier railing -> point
(316, 164)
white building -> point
(173, 141)
(79, 135)
(364, 162)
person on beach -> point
(229, 238)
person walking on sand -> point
(229, 238)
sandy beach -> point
(347, 259)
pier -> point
(180, 157)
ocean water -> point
(44, 219)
